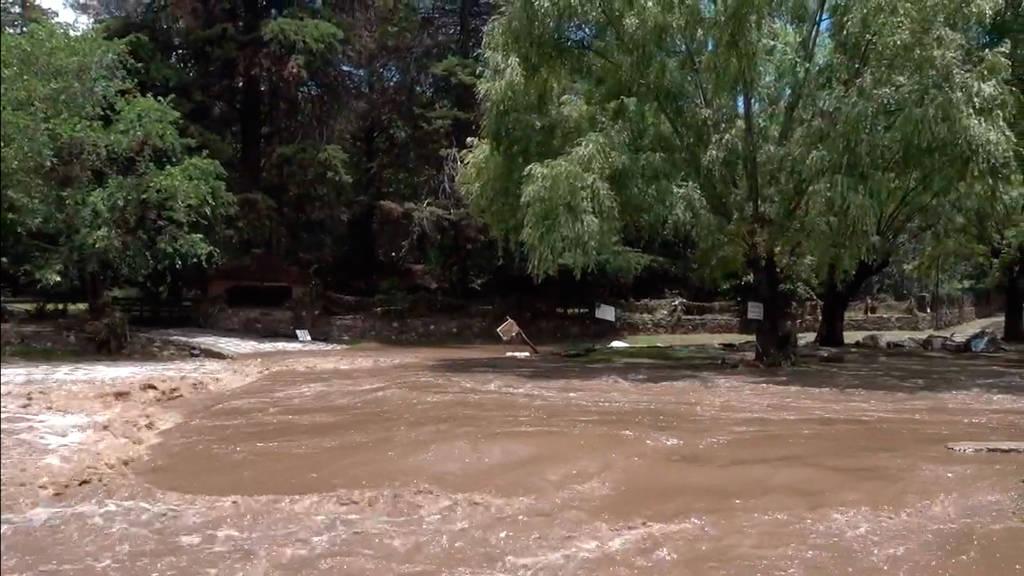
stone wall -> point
(464, 328)
(269, 322)
(910, 323)
(479, 327)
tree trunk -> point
(775, 339)
(1013, 329)
(833, 316)
(95, 294)
(836, 298)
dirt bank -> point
(69, 427)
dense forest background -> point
(341, 129)
(339, 126)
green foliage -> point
(301, 36)
(805, 133)
(16, 15)
(96, 178)
(985, 228)
(317, 111)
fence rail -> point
(142, 310)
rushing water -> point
(453, 463)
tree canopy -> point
(771, 149)
(787, 136)
(97, 180)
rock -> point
(933, 342)
(746, 346)
(956, 343)
(975, 447)
(954, 346)
(901, 344)
(872, 341)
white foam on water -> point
(583, 548)
(53, 430)
(101, 371)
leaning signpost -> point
(509, 330)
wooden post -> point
(528, 343)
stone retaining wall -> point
(470, 328)
(908, 323)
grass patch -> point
(673, 354)
(687, 339)
(40, 354)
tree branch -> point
(696, 72)
(858, 70)
(887, 221)
(793, 101)
(750, 145)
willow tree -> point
(757, 126)
(991, 217)
(924, 147)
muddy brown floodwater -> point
(458, 462)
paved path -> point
(230, 345)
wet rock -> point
(872, 341)
(901, 344)
(729, 362)
(933, 342)
(746, 346)
(975, 447)
(956, 344)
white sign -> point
(605, 312)
(755, 311)
(508, 330)
(303, 335)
